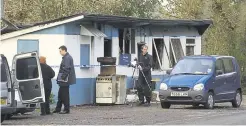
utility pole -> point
(2, 9)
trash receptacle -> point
(107, 70)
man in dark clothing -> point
(144, 88)
(47, 74)
(67, 72)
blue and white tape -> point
(90, 66)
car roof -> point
(215, 57)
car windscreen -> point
(3, 73)
(193, 66)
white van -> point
(21, 77)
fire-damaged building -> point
(89, 36)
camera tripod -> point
(133, 92)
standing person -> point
(66, 77)
(144, 90)
(47, 74)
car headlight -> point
(198, 87)
(163, 86)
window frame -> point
(190, 45)
(130, 41)
(164, 52)
(222, 66)
(89, 56)
(233, 67)
(16, 71)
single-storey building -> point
(89, 36)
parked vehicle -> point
(23, 108)
(20, 78)
(202, 80)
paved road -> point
(154, 115)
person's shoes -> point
(48, 113)
(140, 103)
(147, 104)
(64, 112)
(42, 114)
(56, 111)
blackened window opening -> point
(107, 48)
(160, 50)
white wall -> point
(49, 44)
(167, 33)
(97, 50)
(48, 47)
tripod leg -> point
(145, 79)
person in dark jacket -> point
(66, 79)
(144, 88)
(47, 74)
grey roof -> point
(129, 22)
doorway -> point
(107, 48)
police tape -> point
(90, 66)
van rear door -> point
(28, 78)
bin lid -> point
(106, 59)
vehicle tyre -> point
(236, 102)
(8, 116)
(195, 105)
(210, 101)
(165, 105)
(3, 118)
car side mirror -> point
(169, 71)
(219, 72)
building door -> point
(107, 48)
(27, 46)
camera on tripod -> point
(134, 63)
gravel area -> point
(124, 114)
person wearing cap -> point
(47, 74)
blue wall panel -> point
(72, 28)
(115, 32)
(83, 92)
(60, 29)
(108, 31)
(25, 45)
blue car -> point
(205, 80)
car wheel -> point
(3, 118)
(236, 102)
(165, 105)
(195, 105)
(210, 101)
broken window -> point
(157, 53)
(190, 47)
(133, 41)
(171, 56)
(127, 41)
(177, 50)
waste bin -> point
(107, 70)
(110, 88)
